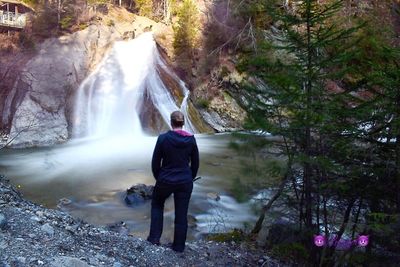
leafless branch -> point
(9, 141)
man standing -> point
(175, 163)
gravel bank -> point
(32, 235)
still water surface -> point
(94, 174)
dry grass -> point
(9, 44)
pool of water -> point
(94, 175)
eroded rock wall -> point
(38, 101)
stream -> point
(94, 175)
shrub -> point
(236, 235)
(203, 103)
(291, 252)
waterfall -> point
(111, 100)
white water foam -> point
(108, 102)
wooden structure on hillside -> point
(13, 14)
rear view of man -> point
(175, 163)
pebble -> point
(64, 261)
(3, 244)
(107, 249)
(21, 260)
(36, 219)
(213, 196)
(39, 213)
(3, 222)
(47, 229)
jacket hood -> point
(179, 138)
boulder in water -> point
(213, 196)
(138, 194)
(192, 221)
(63, 202)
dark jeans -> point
(182, 193)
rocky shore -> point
(32, 235)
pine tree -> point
(300, 63)
(185, 35)
(145, 8)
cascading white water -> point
(108, 102)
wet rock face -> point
(224, 114)
(150, 118)
(40, 97)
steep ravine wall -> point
(41, 101)
(38, 101)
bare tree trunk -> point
(342, 228)
(58, 13)
(266, 207)
(397, 152)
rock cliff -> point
(42, 91)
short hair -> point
(177, 119)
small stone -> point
(3, 244)
(21, 260)
(64, 261)
(47, 229)
(39, 213)
(117, 264)
(213, 196)
(36, 219)
(32, 235)
(3, 222)
(93, 261)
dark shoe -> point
(171, 246)
(154, 242)
(177, 249)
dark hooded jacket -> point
(175, 158)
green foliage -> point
(31, 3)
(55, 17)
(236, 235)
(203, 103)
(83, 26)
(332, 93)
(224, 72)
(66, 22)
(98, 2)
(110, 23)
(45, 23)
(26, 41)
(145, 8)
(185, 35)
(239, 190)
(291, 252)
